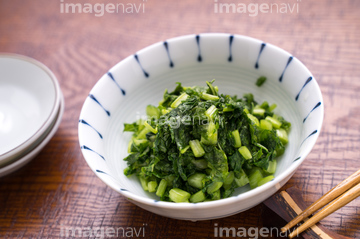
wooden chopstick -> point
(332, 207)
(342, 187)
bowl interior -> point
(235, 62)
(28, 98)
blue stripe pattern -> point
(112, 77)
(86, 123)
(316, 106)
(306, 82)
(198, 44)
(231, 38)
(261, 49)
(287, 64)
(87, 148)
(168, 53)
(138, 61)
(314, 132)
(93, 98)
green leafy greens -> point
(199, 145)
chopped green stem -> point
(206, 96)
(162, 187)
(200, 163)
(242, 180)
(212, 89)
(264, 124)
(195, 180)
(164, 111)
(254, 177)
(196, 148)
(228, 109)
(178, 195)
(152, 111)
(258, 111)
(182, 151)
(237, 140)
(272, 167)
(265, 180)
(275, 123)
(264, 105)
(137, 142)
(180, 99)
(152, 186)
(229, 179)
(214, 186)
(198, 197)
(144, 183)
(150, 128)
(211, 135)
(262, 146)
(281, 133)
(216, 195)
(253, 119)
(143, 132)
(129, 146)
(244, 151)
(272, 107)
(211, 112)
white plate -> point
(28, 157)
(29, 101)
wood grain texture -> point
(57, 189)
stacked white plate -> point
(31, 108)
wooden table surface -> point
(58, 190)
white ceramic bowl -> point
(36, 148)
(236, 62)
(29, 102)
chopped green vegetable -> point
(255, 177)
(178, 195)
(196, 148)
(272, 167)
(281, 133)
(244, 151)
(242, 180)
(144, 183)
(150, 128)
(206, 96)
(265, 124)
(152, 186)
(195, 180)
(153, 112)
(275, 123)
(200, 164)
(162, 187)
(199, 145)
(211, 111)
(237, 140)
(265, 180)
(260, 81)
(180, 99)
(198, 197)
(214, 186)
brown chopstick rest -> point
(289, 204)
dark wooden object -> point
(287, 204)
